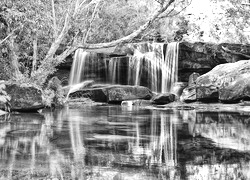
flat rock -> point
(118, 94)
(113, 93)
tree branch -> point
(1, 42)
(168, 14)
(7, 37)
(91, 21)
(132, 35)
(54, 18)
(55, 45)
(234, 52)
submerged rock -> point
(24, 97)
(113, 93)
(137, 102)
(163, 98)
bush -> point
(53, 93)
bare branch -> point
(54, 18)
(91, 21)
(132, 35)
(1, 42)
(168, 14)
(55, 45)
(7, 37)
(234, 52)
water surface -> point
(114, 142)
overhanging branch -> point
(132, 35)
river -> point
(125, 143)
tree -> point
(71, 25)
(217, 21)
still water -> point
(120, 143)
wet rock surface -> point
(113, 93)
(226, 83)
(189, 94)
(24, 97)
(163, 98)
(196, 57)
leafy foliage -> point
(221, 21)
(53, 93)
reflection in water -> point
(120, 143)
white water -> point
(170, 67)
(162, 72)
(149, 69)
(78, 66)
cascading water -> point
(170, 67)
(147, 67)
(161, 73)
(78, 66)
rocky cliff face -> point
(193, 57)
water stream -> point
(114, 142)
(153, 68)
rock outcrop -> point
(197, 57)
(228, 83)
(24, 98)
(113, 93)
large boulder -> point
(24, 97)
(237, 90)
(113, 93)
(228, 82)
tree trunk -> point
(34, 62)
(13, 57)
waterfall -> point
(170, 67)
(78, 67)
(149, 66)
(161, 73)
